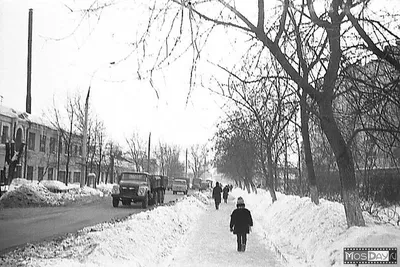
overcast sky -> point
(66, 61)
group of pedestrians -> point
(241, 220)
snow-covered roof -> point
(23, 116)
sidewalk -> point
(212, 244)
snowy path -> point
(212, 244)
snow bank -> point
(144, 239)
(25, 193)
(309, 235)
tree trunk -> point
(307, 149)
(112, 169)
(271, 175)
(300, 191)
(345, 164)
(286, 172)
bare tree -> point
(198, 160)
(137, 151)
(66, 130)
(288, 40)
(236, 149)
(308, 46)
(269, 101)
(168, 160)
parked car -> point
(179, 185)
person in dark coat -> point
(216, 194)
(225, 193)
(241, 223)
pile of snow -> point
(32, 195)
(25, 193)
(144, 239)
(55, 186)
(305, 234)
(105, 188)
(203, 196)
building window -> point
(50, 174)
(61, 176)
(76, 150)
(4, 134)
(80, 150)
(77, 177)
(42, 147)
(66, 148)
(40, 173)
(29, 174)
(52, 145)
(31, 141)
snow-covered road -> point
(212, 244)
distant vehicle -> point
(196, 183)
(179, 185)
(204, 185)
(210, 183)
(139, 187)
(170, 181)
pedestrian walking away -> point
(216, 194)
(225, 193)
(241, 223)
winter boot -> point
(239, 248)
(243, 247)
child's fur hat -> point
(240, 201)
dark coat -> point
(225, 192)
(241, 220)
(217, 194)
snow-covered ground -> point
(309, 235)
(299, 232)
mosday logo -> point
(370, 255)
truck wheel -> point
(145, 202)
(115, 202)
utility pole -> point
(84, 141)
(148, 154)
(29, 74)
(186, 163)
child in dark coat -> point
(241, 223)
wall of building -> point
(43, 159)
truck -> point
(134, 187)
(196, 183)
(180, 185)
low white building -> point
(44, 156)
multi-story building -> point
(45, 153)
